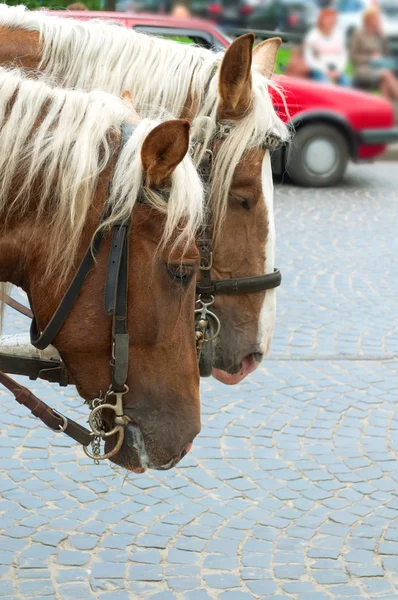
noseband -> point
(207, 288)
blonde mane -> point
(62, 139)
(160, 75)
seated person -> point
(369, 55)
(324, 50)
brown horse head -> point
(163, 398)
(163, 379)
(243, 220)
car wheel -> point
(317, 156)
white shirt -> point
(321, 52)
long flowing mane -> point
(161, 75)
(65, 138)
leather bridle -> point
(207, 324)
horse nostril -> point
(258, 356)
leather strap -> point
(43, 339)
(23, 310)
(115, 257)
(240, 285)
(116, 303)
(50, 417)
(206, 259)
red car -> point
(332, 124)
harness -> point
(207, 324)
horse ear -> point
(235, 82)
(163, 149)
(127, 100)
(264, 56)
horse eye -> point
(180, 273)
(245, 204)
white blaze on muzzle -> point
(267, 315)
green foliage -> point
(55, 4)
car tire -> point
(317, 156)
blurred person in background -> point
(370, 55)
(180, 11)
(324, 50)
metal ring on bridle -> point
(204, 313)
(218, 324)
(61, 428)
(121, 420)
(112, 452)
(91, 420)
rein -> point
(116, 305)
(207, 324)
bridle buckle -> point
(98, 427)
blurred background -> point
(349, 45)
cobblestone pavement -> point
(291, 490)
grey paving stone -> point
(298, 587)
(146, 556)
(72, 591)
(330, 576)
(44, 587)
(33, 574)
(145, 572)
(182, 570)
(183, 557)
(183, 583)
(377, 586)
(364, 570)
(71, 575)
(314, 596)
(72, 558)
(99, 585)
(123, 595)
(389, 548)
(345, 590)
(263, 588)
(331, 553)
(360, 556)
(289, 571)
(222, 546)
(256, 560)
(197, 595)
(7, 588)
(222, 581)
(217, 562)
(107, 570)
(235, 595)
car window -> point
(185, 36)
(350, 6)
